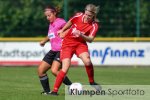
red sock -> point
(59, 80)
(90, 72)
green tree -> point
(23, 18)
(117, 17)
(144, 18)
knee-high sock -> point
(45, 83)
(59, 80)
(90, 72)
(66, 81)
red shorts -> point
(68, 51)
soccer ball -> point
(75, 89)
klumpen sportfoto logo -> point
(107, 91)
(86, 92)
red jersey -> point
(88, 29)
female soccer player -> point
(52, 58)
(83, 28)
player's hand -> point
(76, 33)
(63, 34)
(60, 32)
(42, 43)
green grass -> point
(22, 83)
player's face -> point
(50, 15)
(88, 16)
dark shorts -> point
(51, 56)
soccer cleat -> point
(96, 86)
(53, 93)
(45, 93)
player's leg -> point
(56, 66)
(85, 57)
(61, 75)
(66, 54)
(83, 54)
(55, 69)
(89, 69)
(43, 68)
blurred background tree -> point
(118, 18)
(23, 18)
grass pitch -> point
(22, 83)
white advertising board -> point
(120, 53)
(102, 53)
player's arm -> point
(71, 21)
(87, 38)
(42, 43)
(67, 26)
(92, 34)
(90, 37)
(63, 34)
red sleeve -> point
(94, 29)
(75, 17)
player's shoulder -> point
(60, 20)
(94, 23)
(78, 14)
